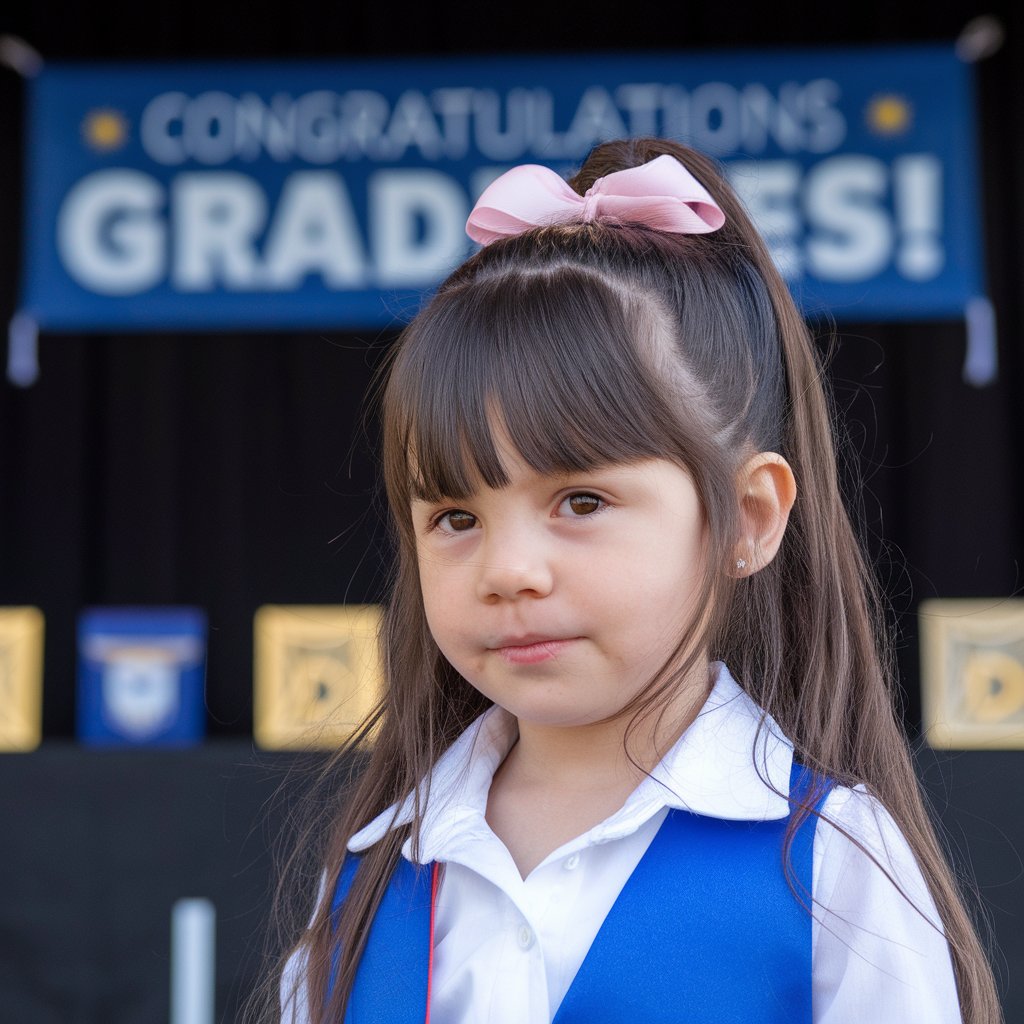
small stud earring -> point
(741, 563)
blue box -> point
(141, 676)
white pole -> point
(193, 927)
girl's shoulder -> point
(858, 843)
(294, 1005)
(878, 944)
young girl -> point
(637, 758)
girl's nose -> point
(512, 570)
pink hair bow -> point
(662, 194)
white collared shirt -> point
(507, 948)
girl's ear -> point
(766, 489)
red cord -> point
(434, 881)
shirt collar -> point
(728, 764)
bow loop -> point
(662, 194)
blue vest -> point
(705, 931)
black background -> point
(229, 471)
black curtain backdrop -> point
(229, 470)
(232, 470)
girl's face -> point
(560, 597)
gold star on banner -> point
(889, 114)
(105, 130)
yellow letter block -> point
(21, 678)
(317, 673)
(972, 672)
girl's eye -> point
(458, 521)
(583, 504)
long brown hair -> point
(601, 343)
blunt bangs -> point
(548, 358)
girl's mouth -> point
(530, 650)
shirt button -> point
(572, 862)
(525, 937)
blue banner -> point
(334, 195)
